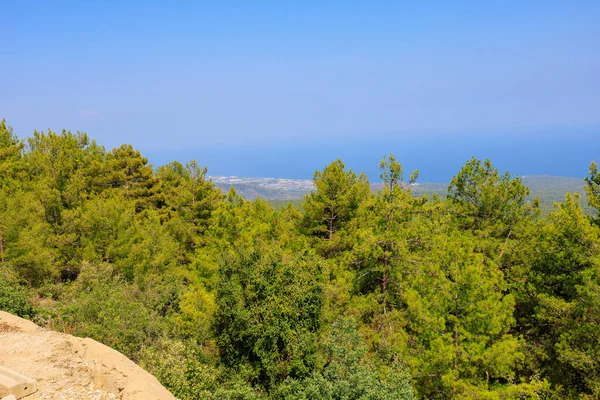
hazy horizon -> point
(269, 89)
(437, 159)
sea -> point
(437, 157)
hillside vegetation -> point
(357, 294)
(547, 189)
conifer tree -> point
(564, 279)
(459, 319)
(489, 201)
(381, 251)
(191, 196)
(334, 203)
(11, 152)
(592, 188)
(127, 170)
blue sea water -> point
(438, 158)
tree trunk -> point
(331, 218)
(456, 346)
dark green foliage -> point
(13, 297)
(126, 170)
(268, 314)
(332, 206)
(592, 187)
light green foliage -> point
(190, 198)
(354, 295)
(348, 374)
(11, 152)
(99, 306)
(279, 204)
(567, 245)
(459, 321)
(488, 199)
(97, 230)
(59, 166)
(565, 278)
(329, 222)
(149, 247)
(383, 234)
(189, 371)
(182, 366)
(239, 223)
(109, 230)
(383, 240)
(26, 245)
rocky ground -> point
(66, 367)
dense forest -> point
(357, 294)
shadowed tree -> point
(127, 170)
(334, 203)
(269, 314)
(592, 188)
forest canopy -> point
(357, 294)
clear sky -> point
(278, 88)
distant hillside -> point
(553, 187)
(550, 189)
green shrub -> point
(106, 309)
(348, 374)
(13, 298)
(268, 315)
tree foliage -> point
(268, 314)
(333, 205)
(592, 187)
(364, 292)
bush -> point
(268, 315)
(106, 309)
(13, 298)
(348, 374)
(188, 370)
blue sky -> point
(246, 87)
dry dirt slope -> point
(66, 367)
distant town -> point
(268, 185)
